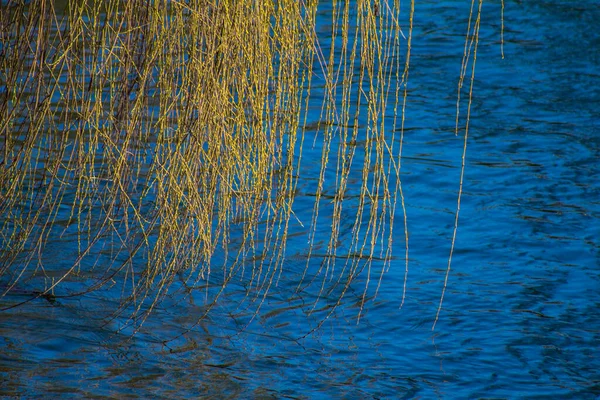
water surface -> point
(520, 316)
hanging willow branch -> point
(160, 146)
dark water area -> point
(521, 313)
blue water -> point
(521, 313)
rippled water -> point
(521, 316)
